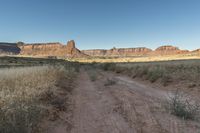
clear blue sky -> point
(102, 23)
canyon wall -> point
(51, 49)
(141, 51)
(118, 52)
(169, 50)
(70, 50)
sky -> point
(102, 24)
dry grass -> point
(21, 91)
(187, 71)
(110, 82)
(181, 105)
(138, 58)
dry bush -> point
(120, 69)
(110, 82)
(184, 106)
(93, 75)
(140, 71)
(21, 90)
(109, 66)
(155, 73)
(165, 72)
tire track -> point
(92, 114)
(136, 111)
(143, 107)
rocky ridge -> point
(141, 51)
(43, 49)
(59, 50)
(118, 52)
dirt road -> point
(94, 110)
(125, 106)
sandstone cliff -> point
(70, 50)
(196, 52)
(142, 51)
(51, 49)
(118, 52)
(169, 50)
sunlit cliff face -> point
(142, 51)
(70, 50)
(51, 49)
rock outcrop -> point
(51, 49)
(142, 51)
(169, 50)
(118, 52)
(196, 52)
(59, 50)
(9, 49)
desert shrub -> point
(141, 71)
(155, 73)
(20, 118)
(93, 77)
(92, 74)
(120, 69)
(110, 82)
(164, 72)
(166, 79)
(109, 66)
(76, 67)
(182, 106)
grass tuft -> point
(183, 107)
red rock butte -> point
(70, 51)
(141, 51)
(51, 49)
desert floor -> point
(126, 106)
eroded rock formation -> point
(118, 52)
(141, 51)
(169, 50)
(51, 49)
(59, 50)
(196, 52)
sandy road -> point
(126, 107)
(94, 110)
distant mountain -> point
(141, 51)
(41, 49)
(70, 50)
(118, 52)
(51, 49)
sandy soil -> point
(124, 107)
(94, 110)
